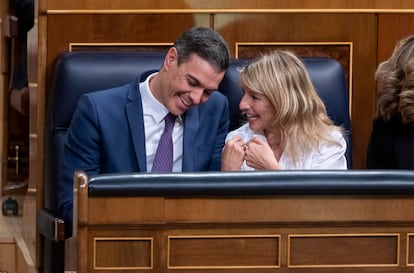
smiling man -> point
(119, 129)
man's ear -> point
(171, 58)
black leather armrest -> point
(50, 226)
(296, 182)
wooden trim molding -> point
(110, 46)
(410, 250)
(217, 11)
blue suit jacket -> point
(106, 135)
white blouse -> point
(329, 156)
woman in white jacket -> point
(288, 126)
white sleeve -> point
(331, 156)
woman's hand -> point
(260, 156)
(233, 154)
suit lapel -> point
(136, 123)
(190, 131)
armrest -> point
(287, 182)
(50, 226)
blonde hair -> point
(300, 114)
(395, 79)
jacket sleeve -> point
(81, 152)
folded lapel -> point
(136, 123)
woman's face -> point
(258, 110)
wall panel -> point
(392, 28)
(104, 28)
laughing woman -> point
(288, 126)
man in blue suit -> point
(118, 130)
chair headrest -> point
(77, 73)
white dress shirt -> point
(328, 156)
(154, 113)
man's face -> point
(188, 84)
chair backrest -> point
(328, 78)
(77, 73)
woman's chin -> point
(254, 126)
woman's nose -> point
(243, 105)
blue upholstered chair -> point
(77, 73)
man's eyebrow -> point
(191, 77)
(198, 83)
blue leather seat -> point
(77, 73)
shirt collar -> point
(151, 105)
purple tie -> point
(163, 159)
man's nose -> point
(197, 96)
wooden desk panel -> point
(307, 233)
